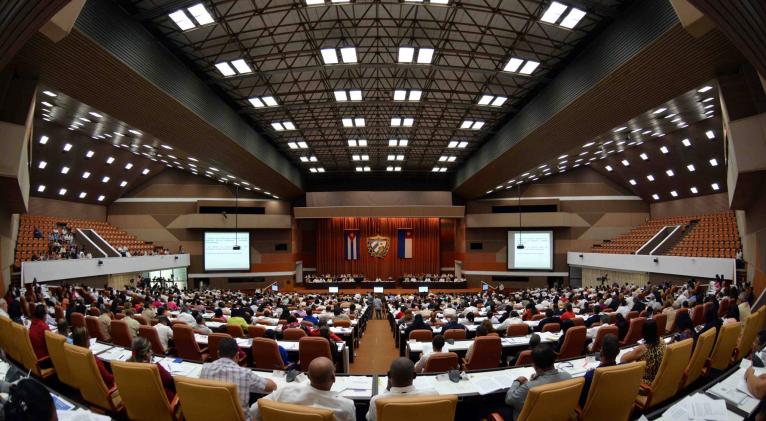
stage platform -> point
(399, 291)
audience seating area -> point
(28, 246)
(712, 235)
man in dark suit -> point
(549, 318)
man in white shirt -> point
(400, 377)
(164, 331)
(317, 394)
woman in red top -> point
(37, 332)
(142, 353)
(568, 313)
(80, 338)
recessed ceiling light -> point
(609, 168)
(89, 154)
(41, 165)
(619, 129)
(704, 89)
(86, 174)
(588, 145)
(656, 197)
(128, 166)
(521, 66)
(632, 181)
(650, 177)
(123, 183)
(644, 156)
(105, 179)
(170, 148)
(664, 149)
(674, 193)
(135, 132)
(694, 190)
(625, 163)
(145, 171)
(50, 94)
(101, 198)
(67, 147)
(64, 170)
(43, 140)
(713, 162)
(686, 142)
(82, 195)
(714, 186)
(41, 188)
(109, 160)
(62, 192)
(670, 173)
(710, 134)
(659, 110)
(690, 167)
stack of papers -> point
(517, 340)
(201, 339)
(353, 386)
(486, 384)
(244, 342)
(98, 348)
(698, 407)
(80, 415)
(115, 354)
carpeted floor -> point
(376, 350)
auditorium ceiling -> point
(346, 87)
(672, 151)
(80, 153)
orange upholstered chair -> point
(94, 329)
(213, 340)
(141, 320)
(266, 354)
(600, 334)
(552, 327)
(121, 333)
(235, 331)
(293, 334)
(574, 343)
(456, 334)
(632, 315)
(93, 311)
(186, 346)
(698, 317)
(486, 353)
(422, 335)
(256, 331)
(78, 320)
(311, 347)
(524, 358)
(517, 329)
(635, 331)
(151, 335)
(440, 362)
(673, 327)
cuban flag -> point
(351, 243)
(404, 243)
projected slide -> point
(537, 252)
(220, 253)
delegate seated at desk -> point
(317, 393)
(401, 373)
(543, 359)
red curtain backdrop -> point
(425, 247)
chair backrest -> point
(141, 320)
(724, 307)
(311, 347)
(456, 334)
(635, 331)
(421, 335)
(700, 355)
(705, 307)
(697, 315)
(421, 408)
(632, 315)
(524, 358)
(235, 331)
(673, 327)
(574, 342)
(55, 344)
(204, 400)
(121, 334)
(7, 340)
(77, 320)
(256, 331)
(341, 323)
(440, 362)
(670, 372)
(552, 402)
(94, 311)
(721, 356)
(270, 410)
(662, 322)
(538, 316)
(91, 385)
(486, 353)
(58, 312)
(94, 328)
(601, 333)
(551, 327)
(266, 354)
(186, 345)
(745, 344)
(612, 392)
(517, 329)
(141, 391)
(293, 334)
(213, 340)
(26, 353)
(151, 335)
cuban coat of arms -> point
(378, 246)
